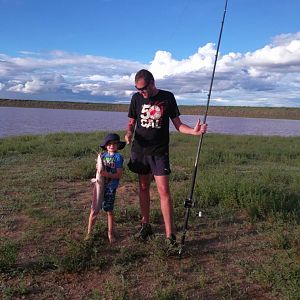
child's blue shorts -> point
(109, 199)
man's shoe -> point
(144, 232)
(88, 237)
(172, 246)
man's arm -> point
(130, 130)
(183, 128)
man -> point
(149, 113)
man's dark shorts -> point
(157, 165)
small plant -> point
(116, 291)
(95, 294)
(83, 169)
(283, 240)
(129, 214)
(8, 255)
(167, 293)
(159, 247)
(282, 273)
(155, 216)
(129, 256)
(17, 292)
(77, 258)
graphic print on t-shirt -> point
(109, 163)
(112, 163)
(151, 115)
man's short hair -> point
(144, 74)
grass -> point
(8, 254)
(245, 245)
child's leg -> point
(92, 220)
(108, 206)
(110, 225)
(95, 208)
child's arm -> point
(116, 175)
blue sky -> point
(90, 50)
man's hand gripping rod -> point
(189, 202)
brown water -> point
(22, 121)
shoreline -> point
(288, 113)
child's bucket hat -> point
(112, 137)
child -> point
(113, 168)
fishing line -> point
(189, 202)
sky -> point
(89, 51)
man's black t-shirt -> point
(152, 122)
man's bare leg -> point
(166, 205)
(144, 194)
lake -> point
(22, 121)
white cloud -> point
(16, 88)
(29, 87)
(285, 38)
(164, 65)
(268, 76)
(29, 53)
(285, 54)
(33, 86)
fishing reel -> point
(189, 203)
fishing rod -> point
(189, 202)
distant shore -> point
(288, 113)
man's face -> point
(144, 88)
